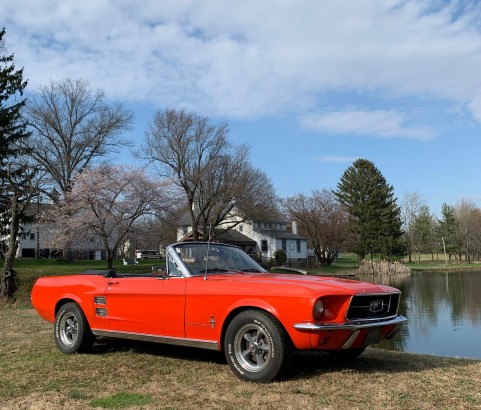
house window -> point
(241, 228)
(284, 245)
(298, 246)
(32, 236)
(264, 245)
(184, 230)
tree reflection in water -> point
(443, 311)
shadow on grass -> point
(304, 364)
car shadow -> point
(303, 365)
(105, 345)
(312, 364)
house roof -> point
(184, 220)
(231, 236)
(37, 208)
(278, 234)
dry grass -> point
(35, 375)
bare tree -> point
(469, 223)
(72, 127)
(233, 181)
(322, 220)
(102, 206)
(410, 208)
(213, 174)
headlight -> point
(318, 309)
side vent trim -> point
(102, 312)
(100, 300)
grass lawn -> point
(122, 374)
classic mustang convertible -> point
(215, 296)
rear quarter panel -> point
(48, 291)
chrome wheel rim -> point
(252, 347)
(68, 329)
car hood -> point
(314, 283)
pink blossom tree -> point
(102, 206)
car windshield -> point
(212, 258)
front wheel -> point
(72, 332)
(257, 347)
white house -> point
(259, 238)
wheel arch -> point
(67, 299)
(233, 313)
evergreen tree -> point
(448, 230)
(375, 218)
(15, 179)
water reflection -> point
(443, 311)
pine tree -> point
(15, 178)
(375, 218)
(448, 230)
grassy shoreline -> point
(36, 375)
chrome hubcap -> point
(68, 329)
(252, 347)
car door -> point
(146, 305)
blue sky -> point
(309, 85)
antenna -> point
(207, 256)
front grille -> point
(373, 306)
(102, 312)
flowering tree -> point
(102, 206)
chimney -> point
(294, 227)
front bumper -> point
(354, 325)
(364, 332)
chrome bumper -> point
(351, 325)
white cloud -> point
(377, 123)
(250, 58)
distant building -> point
(259, 238)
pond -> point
(443, 311)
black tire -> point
(346, 354)
(257, 347)
(72, 331)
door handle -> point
(110, 283)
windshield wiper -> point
(253, 270)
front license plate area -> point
(373, 336)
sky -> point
(309, 85)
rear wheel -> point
(257, 347)
(72, 331)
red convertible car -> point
(214, 296)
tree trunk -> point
(108, 256)
(8, 283)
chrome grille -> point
(102, 312)
(373, 306)
(100, 300)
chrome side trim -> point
(352, 325)
(203, 344)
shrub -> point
(280, 257)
